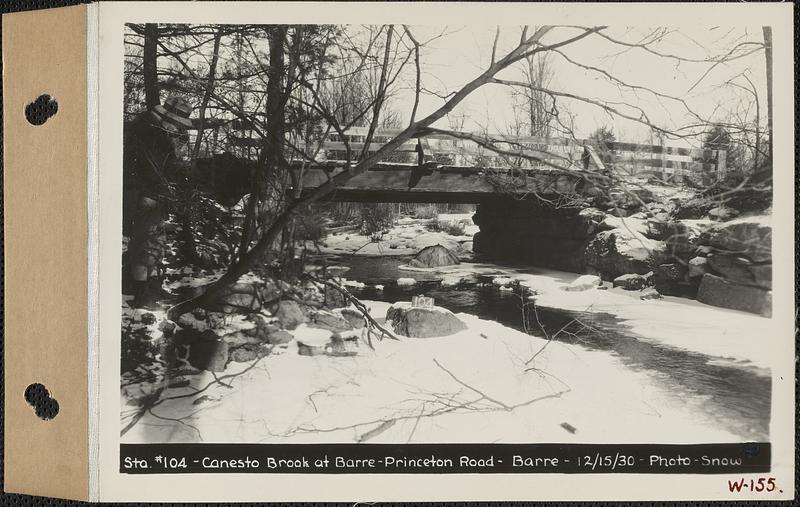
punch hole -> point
(38, 397)
(41, 110)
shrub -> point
(428, 211)
(451, 228)
(309, 227)
(376, 218)
(138, 349)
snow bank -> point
(488, 383)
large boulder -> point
(621, 251)
(289, 314)
(741, 270)
(332, 321)
(313, 341)
(247, 352)
(722, 213)
(631, 281)
(671, 279)
(279, 337)
(649, 294)
(425, 322)
(353, 317)
(434, 256)
(698, 266)
(718, 291)
(749, 237)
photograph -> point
(446, 233)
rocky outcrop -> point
(678, 241)
(630, 282)
(737, 265)
(425, 322)
(718, 291)
(741, 270)
(749, 238)
(434, 256)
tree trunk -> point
(188, 246)
(150, 66)
(768, 55)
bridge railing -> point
(670, 164)
(629, 159)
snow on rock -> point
(649, 294)
(433, 257)
(623, 250)
(423, 322)
(630, 281)
(312, 341)
(749, 236)
(406, 282)
(330, 320)
(503, 281)
(583, 283)
(351, 284)
(722, 213)
(698, 266)
(630, 224)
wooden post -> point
(721, 167)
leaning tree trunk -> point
(248, 259)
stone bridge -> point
(440, 168)
(397, 182)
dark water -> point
(736, 396)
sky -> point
(463, 52)
(454, 55)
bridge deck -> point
(393, 183)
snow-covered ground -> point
(674, 321)
(488, 383)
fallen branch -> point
(362, 309)
(484, 395)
